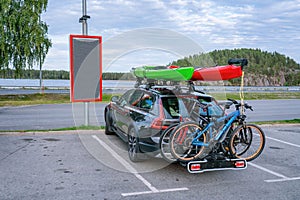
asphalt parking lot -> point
(91, 165)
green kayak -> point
(164, 73)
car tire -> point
(107, 130)
(133, 146)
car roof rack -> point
(170, 85)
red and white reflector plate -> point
(195, 167)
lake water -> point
(121, 85)
(60, 83)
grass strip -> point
(291, 121)
(34, 99)
(82, 127)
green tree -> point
(23, 35)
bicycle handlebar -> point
(238, 105)
(233, 101)
(248, 107)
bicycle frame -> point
(231, 116)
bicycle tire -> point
(164, 144)
(247, 142)
(180, 142)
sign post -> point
(83, 20)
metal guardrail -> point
(205, 88)
(252, 89)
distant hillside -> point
(264, 68)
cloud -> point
(205, 18)
(141, 57)
(57, 59)
(58, 55)
(153, 39)
(62, 39)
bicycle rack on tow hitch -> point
(200, 166)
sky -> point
(156, 32)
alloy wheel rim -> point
(132, 145)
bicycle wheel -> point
(181, 141)
(247, 142)
(165, 145)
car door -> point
(120, 111)
(131, 110)
(143, 111)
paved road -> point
(90, 165)
(122, 86)
(41, 117)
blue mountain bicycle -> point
(229, 134)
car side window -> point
(135, 97)
(142, 100)
(174, 108)
(124, 99)
(146, 102)
(171, 107)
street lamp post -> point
(83, 20)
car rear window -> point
(174, 108)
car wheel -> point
(107, 125)
(133, 146)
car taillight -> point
(158, 123)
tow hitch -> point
(205, 165)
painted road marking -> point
(282, 180)
(150, 192)
(284, 142)
(267, 170)
(281, 176)
(281, 141)
(134, 172)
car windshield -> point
(174, 108)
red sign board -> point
(85, 68)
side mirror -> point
(115, 99)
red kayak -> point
(217, 73)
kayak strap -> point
(242, 92)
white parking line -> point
(267, 170)
(282, 180)
(288, 143)
(151, 192)
(282, 177)
(133, 171)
